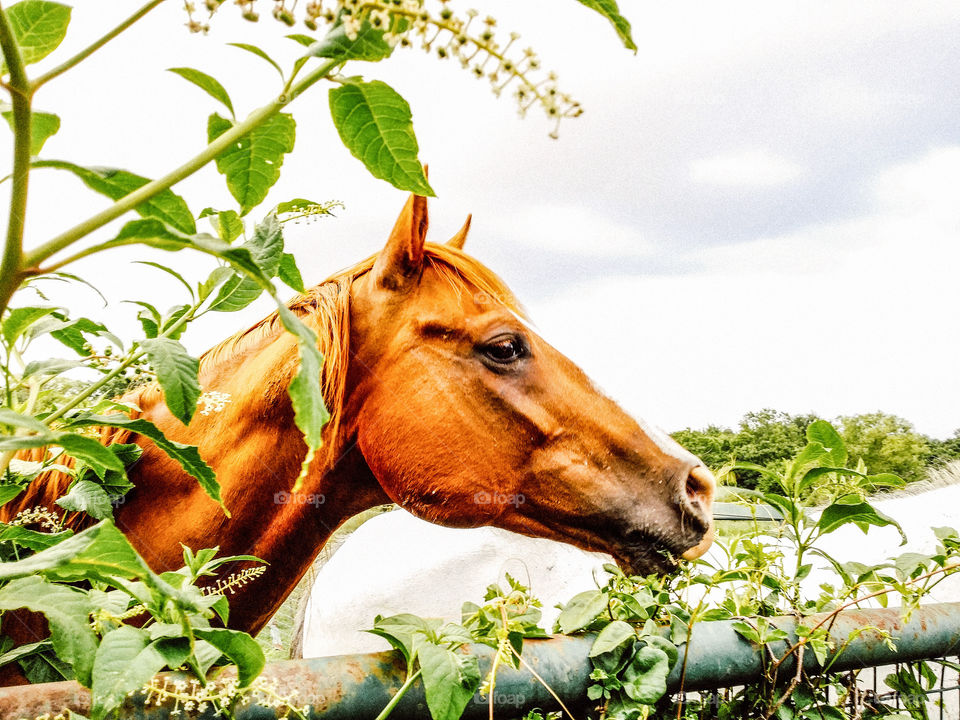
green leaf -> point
(252, 164)
(239, 647)
(19, 319)
(53, 366)
(171, 324)
(99, 552)
(400, 631)
(861, 513)
(44, 666)
(27, 422)
(266, 250)
(909, 564)
(609, 9)
(9, 492)
(645, 678)
(306, 394)
(125, 661)
(175, 650)
(253, 49)
(374, 123)
(300, 38)
(226, 223)
(23, 650)
(39, 27)
(449, 680)
(42, 127)
(32, 539)
(86, 496)
(812, 454)
(149, 318)
(177, 375)
(885, 480)
(368, 45)
(165, 206)
(611, 637)
(72, 333)
(207, 83)
(289, 273)
(823, 432)
(266, 245)
(786, 506)
(213, 281)
(90, 451)
(581, 610)
(236, 293)
(68, 613)
(668, 647)
(187, 455)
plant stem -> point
(256, 118)
(93, 47)
(106, 245)
(396, 698)
(539, 679)
(20, 96)
(790, 688)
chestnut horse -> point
(442, 399)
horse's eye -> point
(505, 349)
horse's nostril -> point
(700, 488)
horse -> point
(396, 563)
(442, 399)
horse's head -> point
(467, 417)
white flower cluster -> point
(234, 581)
(188, 698)
(434, 26)
(212, 402)
(37, 516)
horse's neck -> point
(255, 449)
(290, 541)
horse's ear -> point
(402, 257)
(460, 238)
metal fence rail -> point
(357, 687)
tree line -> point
(883, 442)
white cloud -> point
(871, 322)
(576, 229)
(745, 169)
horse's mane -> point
(325, 308)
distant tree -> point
(769, 437)
(943, 451)
(886, 443)
(714, 444)
(765, 437)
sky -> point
(757, 209)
